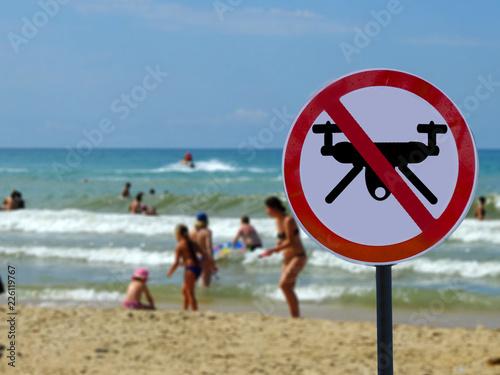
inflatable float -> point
(223, 251)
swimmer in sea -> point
(251, 238)
(480, 212)
(187, 253)
(126, 190)
(14, 201)
(135, 206)
(294, 255)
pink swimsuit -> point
(132, 304)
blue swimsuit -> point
(194, 269)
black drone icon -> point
(399, 154)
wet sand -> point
(120, 341)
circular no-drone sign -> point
(379, 167)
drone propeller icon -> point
(399, 155)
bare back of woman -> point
(203, 237)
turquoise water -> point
(76, 242)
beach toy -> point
(224, 250)
(265, 254)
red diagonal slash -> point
(379, 163)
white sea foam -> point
(66, 222)
(13, 170)
(468, 269)
(321, 258)
(317, 258)
(119, 255)
(314, 293)
(74, 221)
(78, 221)
(79, 294)
(465, 268)
(474, 231)
(213, 165)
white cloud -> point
(248, 115)
(238, 20)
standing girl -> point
(294, 255)
(186, 253)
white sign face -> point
(379, 167)
(387, 115)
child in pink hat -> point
(135, 289)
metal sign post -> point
(384, 320)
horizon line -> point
(54, 148)
(137, 148)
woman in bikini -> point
(293, 252)
(203, 237)
(186, 253)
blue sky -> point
(210, 73)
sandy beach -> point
(120, 341)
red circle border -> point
(434, 234)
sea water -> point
(76, 242)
